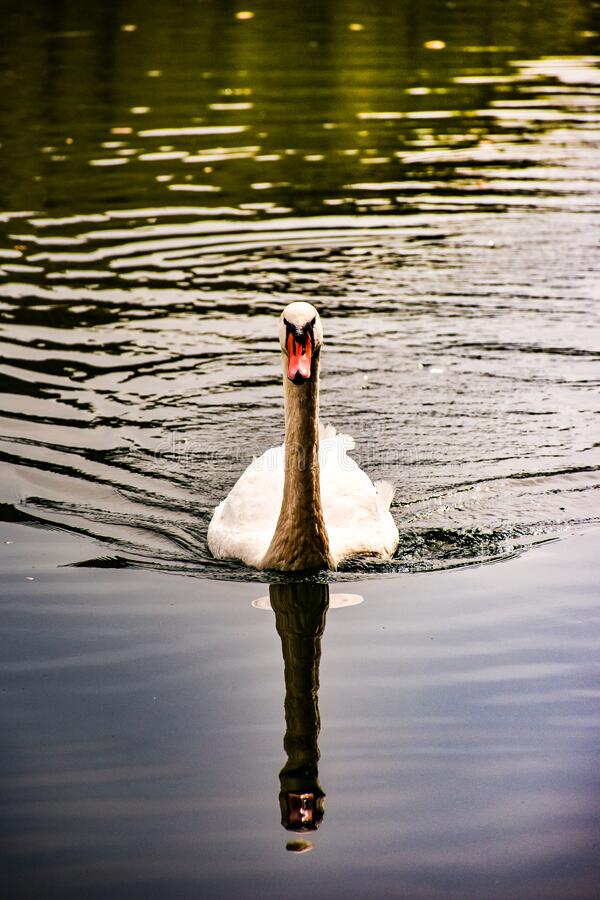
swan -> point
(306, 504)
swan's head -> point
(300, 336)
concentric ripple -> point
(445, 225)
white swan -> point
(306, 504)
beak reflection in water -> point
(300, 613)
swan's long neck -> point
(300, 540)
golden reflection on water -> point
(312, 75)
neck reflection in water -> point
(300, 612)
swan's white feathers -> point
(385, 494)
(356, 511)
(244, 522)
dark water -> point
(456, 715)
(173, 175)
(170, 176)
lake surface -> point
(152, 747)
(172, 181)
(427, 174)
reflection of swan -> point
(303, 506)
(300, 611)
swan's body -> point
(306, 504)
(356, 512)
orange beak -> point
(299, 359)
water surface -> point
(428, 177)
(444, 730)
(172, 174)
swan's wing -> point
(385, 493)
(244, 522)
(356, 511)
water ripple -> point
(444, 228)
